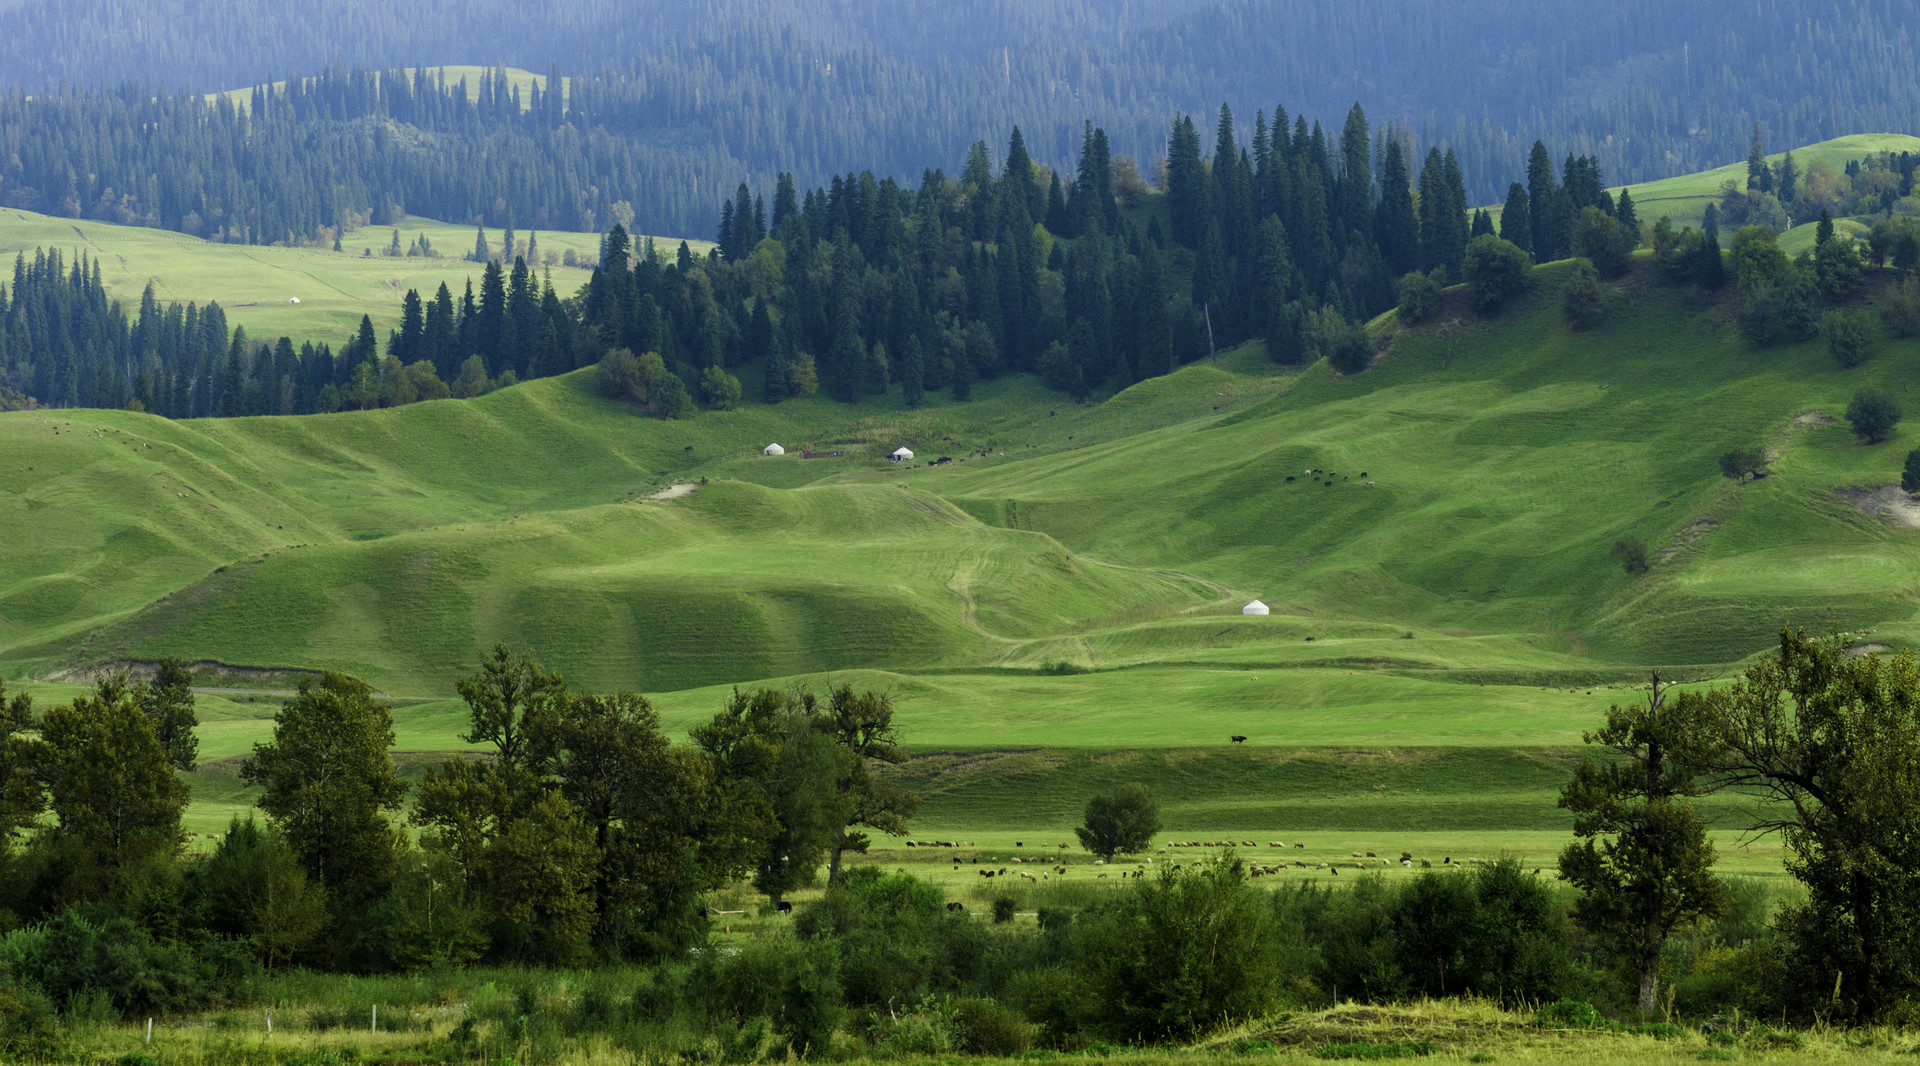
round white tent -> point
(1256, 607)
(773, 449)
(901, 456)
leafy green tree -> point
(1851, 336)
(1837, 267)
(1900, 308)
(1757, 260)
(472, 381)
(1828, 741)
(1599, 238)
(168, 703)
(618, 376)
(659, 826)
(328, 784)
(1645, 863)
(110, 783)
(1419, 297)
(22, 795)
(1873, 414)
(719, 389)
(253, 888)
(778, 772)
(1910, 473)
(539, 872)
(1122, 822)
(1496, 271)
(667, 395)
(1164, 969)
(1581, 301)
(862, 725)
(1743, 463)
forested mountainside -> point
(705, 95)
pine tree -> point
(912, 372)
(490, 332)
(1395, 227)
(1154, 341)
(1516, 218)
(481, 253)
(1629, 218)
(1759, 175)
(409, 343)
(1711, 270)
(1544, 200)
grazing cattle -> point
(1238, 740)
(1363, 473)
(1018, 844)
(1371, 855)
(783, 907)
(1356, 854)
(957, 908)
(1063, 847)
(1290, 477)
(1425, 865)
(1297, 844)
(1336, 871)
(1406, 855)
(1309, 640)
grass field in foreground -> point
(254, 283)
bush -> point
(618, 376)
(1154, 959)
(1419, 297)
(1003, 909)
(1851, 336)
(1873, 415)
(1786, 309)
(1900, 309)
(987, 1028)
(810, 999)
(1632, 553)
(1910, 473)
(1743, 463)
(719, 389)
(1496, 271)
(1570, 1014)
(1599, 238)
(1581, 301)
(71, 956)
(667, 396)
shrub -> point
(1570, 1014)
(810, 998)
(1155, 961)
(1743, 463)
(1599, 238)
(1900, 309)
(1496, 271)
(719, 389)
(1873, 415)
(1003, 909)
(667, 396)
(1851, 336)
(987, 1028)
(1632, 553)
(1910, 473)
(1419, 297)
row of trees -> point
(65, 344)
(580, 832)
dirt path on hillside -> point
(1888, 502)
(674, 492)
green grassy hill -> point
(255, 283)
(1435, 536)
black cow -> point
(1238, 740)
(956, 907)
(783, 907)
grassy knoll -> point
(524, 80)
(1685, 198)
(255, 283)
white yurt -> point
(1256, 607)
(901, 456)
(773, 449)
(293, 300)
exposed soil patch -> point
(1861, 650)
(1687, 538)
(1815, 418)
(215, 676)
(674, 492)
(1888, 502)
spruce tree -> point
(1396, 229)
(1516, 218)
(1629, 217)
(1543, 198)
(913, 376)
(1759, 175)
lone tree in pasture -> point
(1121, 823)
(1743, 463)
(1873, 414)
(1644, 864)
(1632, 553)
